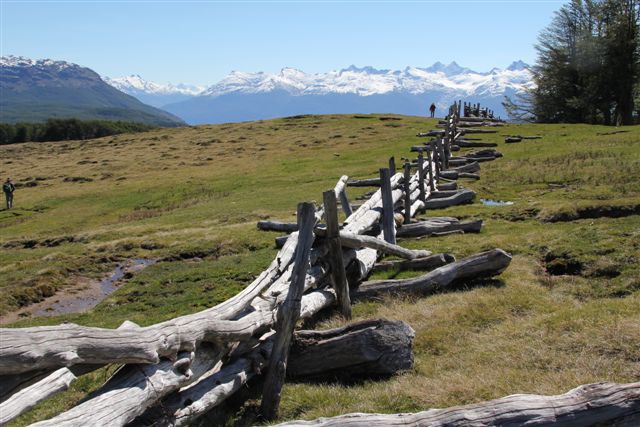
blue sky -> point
(201, 41)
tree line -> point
(588, 68)
(65, 129)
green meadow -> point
(566, 311)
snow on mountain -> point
(134, 83)
(368, 81)
(21, 61)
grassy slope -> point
(199, 191)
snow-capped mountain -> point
(369, 81)
(250, 96)
(156, 94)
(35, 90)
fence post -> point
(407, 193)
(432, 186)
(423, 195)
(388, 221)
(392, 165)
(334, 256)
(288, 314)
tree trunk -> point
(461, 197)
(588, 405)
(426, 263)
(425, 228)
(484, 264)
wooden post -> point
(407, 193)
(441, 156)
(334, 255)
(344, 202)
(423, 195)
(388, 221)
(392, 165)
(288, 314)
(432, 186)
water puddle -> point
(86, 294)
(489, 202)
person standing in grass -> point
(432, 110)
(8, 189)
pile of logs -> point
(174, 372)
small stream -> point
(83, 301)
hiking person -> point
(8, 189)
(432, 110)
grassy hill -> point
(566, 312)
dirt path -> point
(83, 295)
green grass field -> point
(192, 196)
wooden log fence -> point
(175, 371)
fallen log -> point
(484, 264)
(470, 144)
(468, 175)
(426, 263)
(469, 167)
(425, 228)
(461, 197)
(446, 233)
(367, 349)
(588, 405)
(283, 227)
(372, 348)
(469, 131)
(368, 182)
(30, 396)
(512, 139)
(441, 194)
(484, 153)
(356, 241)
(446, 186)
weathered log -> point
(334, 255)
(484, 264)
(446, 186)
(468, 175)
(469, 167)
(356, 241)
(425, 228)
(365, 349)
(446, 233)
(483, 159)
(283, 227)
(587, 405)
(461, 197)
(30, 396)
(469, 144)
(289, 312)
(483, 153)
(512, 139)
(426, 263)
(388, 222)
(368, 182)
(441, 194)
(470, 131)
(133, 389)
(449, 174)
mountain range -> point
(34, 91)
(243, 96)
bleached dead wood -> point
(30, 396)
(468, 144)
(489, 263)
(283, 227)
(470, 131)
(462, 196)
(356, 241)
(469, 167)
(587, 405)
(288, 313)
(425, 228)
(426, 263)
(364, 349)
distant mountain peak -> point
(518, 65)
(21, 61)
